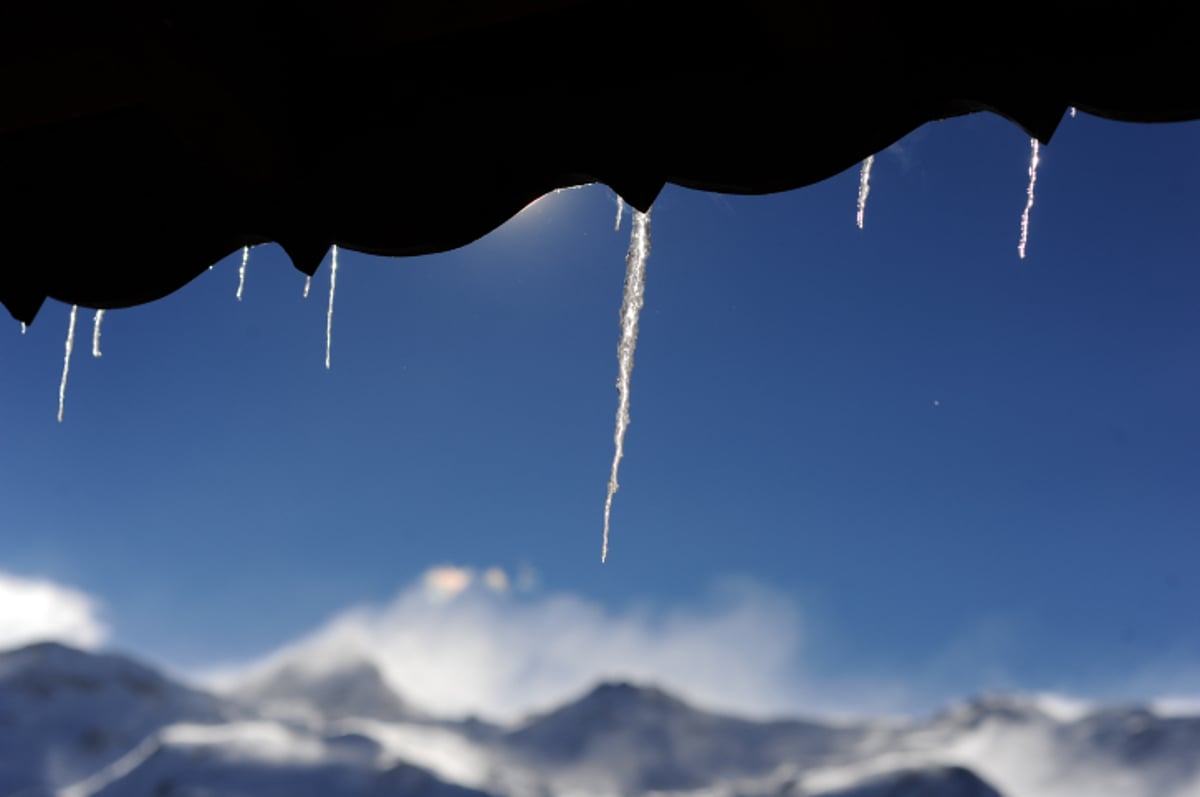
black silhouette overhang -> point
(144, 141)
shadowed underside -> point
(140, 145)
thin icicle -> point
(307, 285)
(329, 315)
(23, 327)
(631, 307)
(864, 189)
(1033, 167)
(620, 212)
(70, 346)
(96, 333)
(1072, 111)
(242, 272)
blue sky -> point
(958, 468)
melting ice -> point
(864, 188)
(631, 307)
(70, 346)
(242, 272)
(329, 314)
(1033, 167)
(96, 333)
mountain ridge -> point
(81, 724)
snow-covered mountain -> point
(353, 688)
(636, 739)
(64, 713)
(76, 724)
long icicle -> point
(329, 314)
(242, 272)
(620, 212)
(864, 189)
(631, 307)
(96, 333)
(70, 346)
(307, 285)
(1033, 167)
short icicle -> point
(631, 307)
(864, 189)
(620, 212)
(329, 314)
(242, 272)
(307, 285)
(1034, 157)
(70, 346)
(99, 317)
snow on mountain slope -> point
(65, 713)
(925, 782)
(77, 724)
(633, 739)
(266, 759)
(1026, 748)
(299, 691)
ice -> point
(23, 328)
(1072, 111)
(620, 212)
(329, 314)
(631, 308)
(307, 285)
(242, 272)
(1033, 167)
(864, 188)
(70, 346)
(96, 333)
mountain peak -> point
(349, 689)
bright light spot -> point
(447, 581)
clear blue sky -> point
(221, 492)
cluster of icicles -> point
(631, 308)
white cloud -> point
(37, 610)
(458, 644)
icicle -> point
(631, 307)
(307, 285)
(1033, 167)
(620, 212)
(242, 272)
(1072, 111)
(70, 345)
(864, 188)
(96, 333)
(23, 327)
(329, 315)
